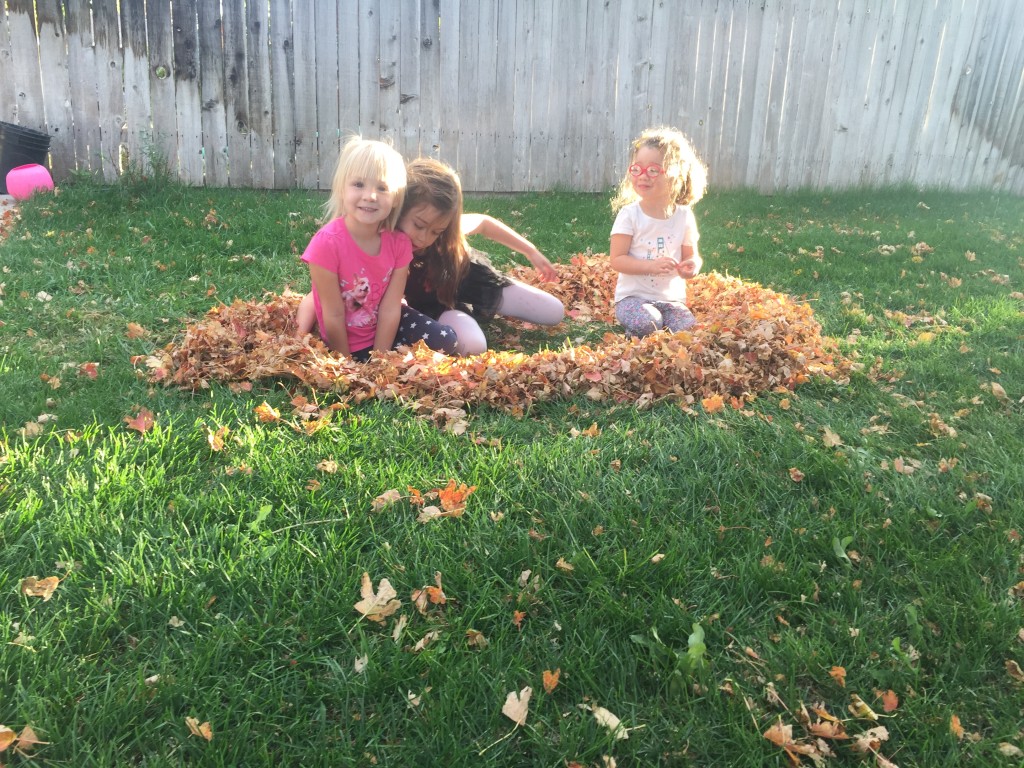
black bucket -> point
(20, 146)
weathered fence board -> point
(524, 94)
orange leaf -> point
(142, 422)
(267, 413)
(92, 370)
(839, 675)
(517, 618)
(136, 331)
(955, 728)
(795, 475)
(7, 737)
(713, 404)
(452, 498)
(551, 679)
(890, 701)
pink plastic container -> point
(24, 180)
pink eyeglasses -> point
(652, 171)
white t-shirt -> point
(653, 238)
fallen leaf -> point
(266, 413)
(611, 722)
(956, 728)
(385, 500)
(43, 588)
(890, 701)
(858, 708)
(871, 740)
(142, 422)
(831, 439)
(551, 679)
(517, 618)
(795, 475)
(839, 675)
(657, 558)
(426, 640)
(562, 565)
(517, 705)
(713, 404)
(7, 737)
(475, 639)
(999, 392)
(1012, 668)
(377, 606)
(202, 730)
(136, 331)
(1009, 750)
(216, 439)
(360, 664)
(27, 740)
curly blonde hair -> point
(685, 170)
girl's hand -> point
(662, 266)
(688, 268)
(542, 265)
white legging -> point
(519, 300)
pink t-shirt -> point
(363, 279)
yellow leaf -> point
(551, 679)
(266, 413)
(713, 404)
(43, 588)
(377, 606)
(562, 565)
(858, 708)
(6, 737)
(202, 730)
(517, 705)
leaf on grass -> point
(136, 331)
(92, 370)
(453, 497)
(890, 701)
(795, 475)
(429, 595)
(609, 721)
(839, 548)
(1012, 669)
(385, 500)
(7, 737)
(426, 640)
(657, 558)
(142, 422)
(831, 439)
(517, 705)
(871, 740)
(781, 735)
(396, 633)
(999, 392)
(27, 740)
(551, 679)
(202, 730)
(266, 413)
(360, 664)
(43, 588)
(475, 639)
(1006, 749)
(839, 675)
(562, 565)
(859, 708)
(956, 728)
(517, 618)
(377, 606)
(713, 404)
(216, 439)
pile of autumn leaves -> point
(748, 339)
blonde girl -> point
(654, 237)
(358, 263)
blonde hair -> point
(685, 170)
(431, 182)
(372, 161)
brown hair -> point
(683, 167)
(431, 182)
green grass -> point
(232, 576)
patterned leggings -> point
(641, 317)
(415, 326)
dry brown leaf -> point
(562, 565)
(43, 588)
(385, 500)
(377, 606)
(859, 708)
(1006, 749)
(1012, 669)
(871, 740)
(475, 639)
(517, 705)
(7, 737)
(611, 722)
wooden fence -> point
(525, 94)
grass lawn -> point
(706, 578)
